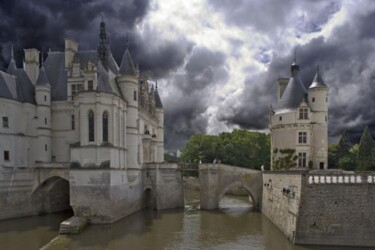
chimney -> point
(281, 85)
(71, 48)
(31, 64)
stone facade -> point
(299, 122)
(321, 208)
(80, 110)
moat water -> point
(235, 226)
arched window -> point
(91, 126)
(105, 126)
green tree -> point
(366, 152)
(240, 148)
(332, 149)
(343, 147)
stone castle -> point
(299, 121)
(78, 131)
(79, 107)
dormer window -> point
(303, 114)
(76, 88)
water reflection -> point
(30, 232)
(235, 226)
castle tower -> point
(159, 110)
(128, 83)
(318, 102)
(43, 100)
(298, 124)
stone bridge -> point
(217, 179)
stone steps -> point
(73, 225)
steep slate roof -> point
(56, 74)
(318, 81)
(42, 78)
(293, 95)
(12, 67)
(8, 86)
(26, 88)
(158, 103)
(127, 66)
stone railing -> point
(341, 178)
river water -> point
(235, 226)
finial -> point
(156, 84)
(317, 68)
(295, 56)
(12, 51)
(127, 41)
(41, 61)
(102, 14)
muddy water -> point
(235, 226)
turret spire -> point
(294, 69)
(12, 64)
(103, 47)
(318, 81)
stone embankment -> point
(73, 225)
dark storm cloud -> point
(269, 16)
(184, 115)
(44, 24)
(346, 62)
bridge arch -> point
(51, 195)
(237, 184)
(217, 179)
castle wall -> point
(282, 208)
(106, 195)
(321, 209)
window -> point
(76, 88)
(135, 95)
(91, 126)
(326, 118)
(90, 85)
(73, 120)
(105, 126)
(313, 99)
(45, 98)
(45, 147)
(302, 137)
(302, 160)
(303, 114)
(6, 156)
(45, 121)
(5, 122)
(280, 118)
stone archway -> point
(236, 184)
(147, 199)
(52, 195)
(216, 179)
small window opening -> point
(6, 156)
(5, 122)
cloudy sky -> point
(217, 61)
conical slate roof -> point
(12, 67)
(158, 103)
(318, 81)
(293, 95)
(127, 66)
(42, 78)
